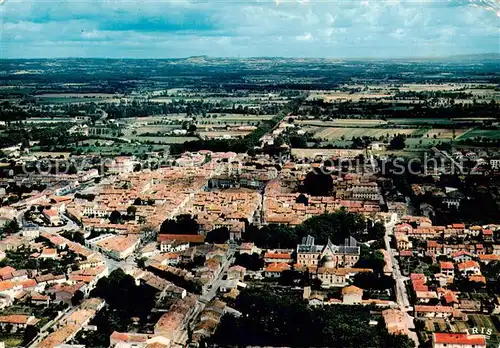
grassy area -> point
(12, 340)
(163, 139)
(486, 133)
(340, 122)
(336, 133)
(420, 121)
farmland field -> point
(488, 133)
(421, 121)
(444, 133)
(211, 135)
(302, 153)
(164, 139)
(334, 133)
(233, 119)
(340, 122)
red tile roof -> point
(446, 265)
(467, 264)
(277, 256)
(278, 267)
(458, 338)
(191, 238)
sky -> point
(241, 28)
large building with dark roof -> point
(329, 255)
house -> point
(352, 295)
(469, 267)
(172, 325)
(462, 256)
(172, 245)
(128, 339)
(457, 340)
(478, 278)
(402, 241)
(487, 258)
(64, 292)
(316, 299)
(447, 268)
(487, 235)
(39, 299)
(247, 248)
(17, 322)
(424, 297)
(395, 322)
(278, 256)
(236, 272)
(438, 312)
(336, 277)
(192, 239)
(30, 231)
(118, 247)
(450, 298)
(52, 215)
(48, 254)
(228, 285)
(274, 269)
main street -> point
(400, 287)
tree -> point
(218, 235)
(318, 183)
(183, 224)
(77, 298)
(251, 262)
(302, 198)
(138, 201)
(397, 143)
(374, 260)
(12, 227)
(131, 210)
(115, 217)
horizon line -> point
(472, 55)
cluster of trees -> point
(121, 293)
(118, 218)
(379, 110)
(189, 107)
(273, 319)
(47, 136)
(124, 301)
(398, 142)
(182, 224)
(335, 226)
(10, 228)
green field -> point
(474, 133)
(336, 133)
(12, 340)
(340, 122)
(163, 139)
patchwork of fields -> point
(334, 133)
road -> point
(207, 297)
(43, 331)
(402, 298)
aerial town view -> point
(250, 174)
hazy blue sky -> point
(290, 28)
